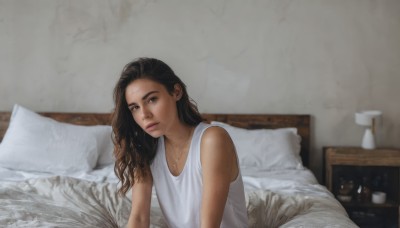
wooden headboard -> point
(249, 121)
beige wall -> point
(327, 58)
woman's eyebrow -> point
(148, 94)
(144, 97)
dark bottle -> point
(363, 191)
(345, 187)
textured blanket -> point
(61, 202)
(70, 202)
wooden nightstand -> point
(378, 170)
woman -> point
(160, 139)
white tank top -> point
(180, 196)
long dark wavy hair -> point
(134, 149)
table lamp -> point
(368, 120)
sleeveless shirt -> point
(180, 196)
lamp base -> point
(368, 141)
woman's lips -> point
(151, 127)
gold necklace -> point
(176, 159)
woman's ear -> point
(178, 92)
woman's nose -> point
(145, 113)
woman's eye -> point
(152, 99)
(134, 108)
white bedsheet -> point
(101, 174)
(293, 198)
(285, 198)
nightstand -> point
(352, 174)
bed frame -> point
(249, 121)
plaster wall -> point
(320, 57)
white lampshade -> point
(368, 119)
(365, 118)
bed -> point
(56, 170)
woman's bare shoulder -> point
(216, 138)
(216, 134)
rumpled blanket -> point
(62, 201)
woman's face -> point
(152, 107)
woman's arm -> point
(141, 201)
(220, 168)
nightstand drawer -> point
(361, 157)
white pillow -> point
(106, 153)
(36, 143)
(266, 148)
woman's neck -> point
(179, 136)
